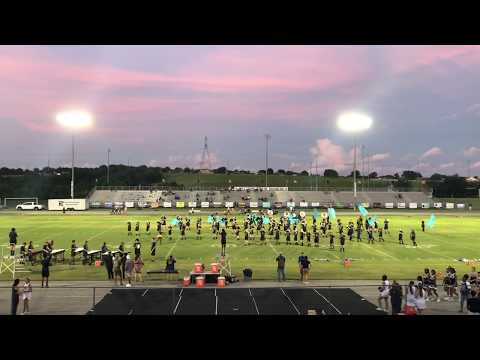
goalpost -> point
(16, 201)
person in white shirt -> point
(465, 290)
(420, 296)
(27, 295)
(410, 300)
(384, 293)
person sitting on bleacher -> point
(170, 264)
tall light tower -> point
(108, 166)
(354, 123)
(267, 139)
(74, 121)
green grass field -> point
(454, 236)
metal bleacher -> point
(324, 198)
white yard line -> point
(291, 302)
(171, 249)
(254, 302)
(379, 251)
(274, 249)
(333, 306)
(178, 303)
(145, 293)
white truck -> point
(29, 206)
(67, 204)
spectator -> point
(384, 290)
(420, 297)
(473, 303)
(138, 268)
(27, 295)
(45, 270)
(170, 267)
(15, 297)
(410, 303)
(281, 267)
(465, 291)
(117, 269)
(128, 270)
(396, 298)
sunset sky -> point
(154, 104)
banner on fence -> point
(425, 206)
(412, 206)
(180, 204)
(129, 204)
(167, 204)
(460, 206)
(401, 205)
(253, 204)
(228, 204)
(315, 204)
(266, 205)
(291, 204)
(192, 204)
(389, 205)
(437, 205)
(450, 206)
(304, 204)
(205, 204)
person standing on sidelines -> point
(223, 241)
(27, 296)
(280, 267)
(465, 291)
(301, 260)
(305, 269)
(128, 271)
(384, 290)
(153, 249)
(420, 298)
(13, 241)
(117, 269)
(138, 268)
(15, 297)
(45, 270)
(396, 295)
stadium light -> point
(354, 122)
(74, 120)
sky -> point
(153, 105)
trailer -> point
(67, 204)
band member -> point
(137, 246)
(295, 235)
(153, 249)
(277, 235)
(412, 237)
(370, 235)
(147, 229)
(13, 241)
(287, 236)
(342, 243)
(182, 231)
(380, 235)
(332, 239)
(137, 228)
(159, 227)
(237, 231)
(129, 228)
(169, 232)
(350, 231)
(199, 230)
(308, 239)
(262, 235)
(385, 226)
(400, 237)
(246, 237)
(423, 226)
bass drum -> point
(302, 214)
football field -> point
(454, 236)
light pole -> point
(108, 166)
(354, 122)
(74, 120)
(267, 138)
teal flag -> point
(371, 221)
(362, 210)
(210, 219)
(431, 221)
(174, 221)
(315, 214)
(331, 213)
(266, 220)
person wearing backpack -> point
(465, 289)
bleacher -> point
(243, 198)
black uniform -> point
(412, 237)
(400, 237)
(342, 243)
(332, 238)
(316, 238)
(423, 226)
(223, 241)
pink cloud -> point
(327, 154)
(435, 151)
(472, 151)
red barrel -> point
(197, 268)
(214, 267)
(200, 282)
(186, 281)
(221, 281)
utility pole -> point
(267, 138)
(108, 166)
(72, 184)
